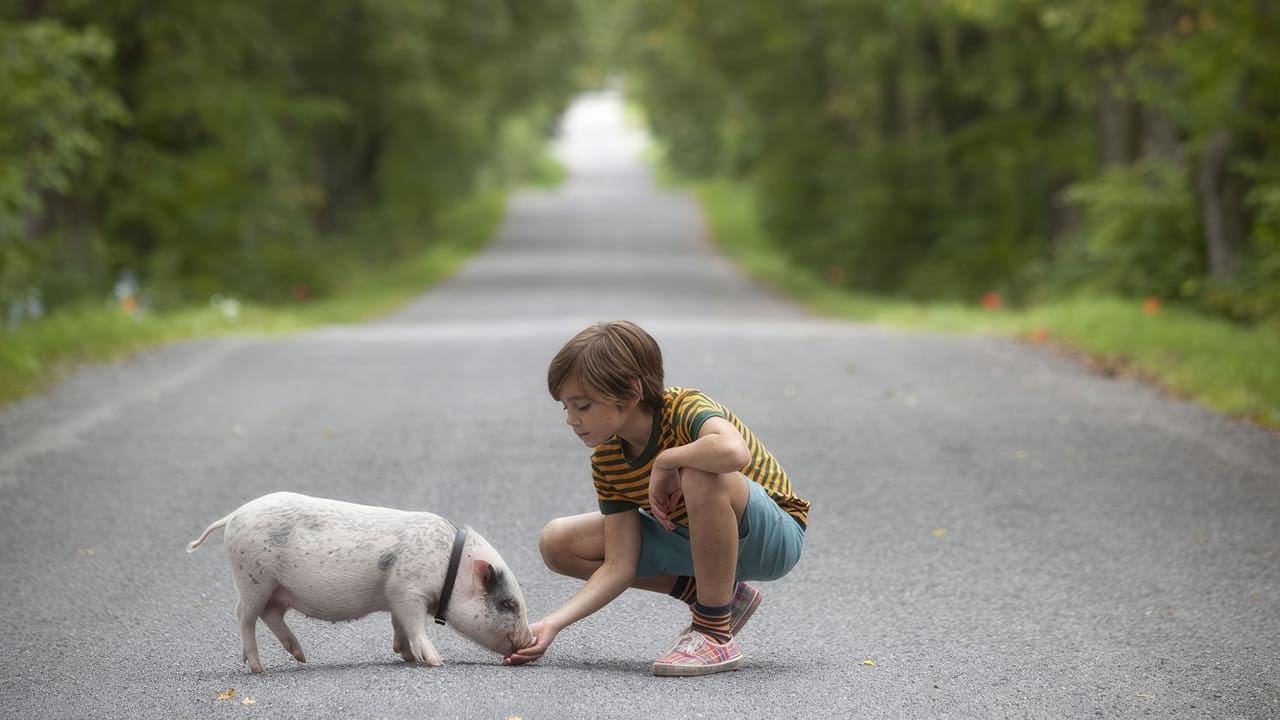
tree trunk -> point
(1117, 120)
(1223, 230)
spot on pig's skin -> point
(387, 560)
(279, 535)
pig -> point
(335, 560)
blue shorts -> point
(770, 549)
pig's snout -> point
(521, 639)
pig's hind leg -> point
(254, 596)
(273, 617)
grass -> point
(35, 355)
(1228, 368)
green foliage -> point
(53, 119)
(1139, 229)
(926, 148)
(260, 149)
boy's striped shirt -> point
(623, 485)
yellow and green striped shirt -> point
(623, 484)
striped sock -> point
(685, 590)
(713, 621)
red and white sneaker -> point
(745, 601)
(695, 654)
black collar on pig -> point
(455, 559)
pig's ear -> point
(487, 575)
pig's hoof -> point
(255, 665)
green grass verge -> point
(36, 354)
(1228, 368)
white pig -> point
(336, 560)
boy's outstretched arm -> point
(616, 574)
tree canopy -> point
(929, 148)
(943, 148)
(241, 147)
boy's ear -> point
(637, 393)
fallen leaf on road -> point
(248, 701)
(939, 532)
(869, 662)
(230, 693)
(87, 552)
(1142, 696)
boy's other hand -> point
(664, 494)
(543, 634)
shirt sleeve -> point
(609, 498)
(692, 410)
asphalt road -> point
(997, 532)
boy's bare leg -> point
(715, 504)
(574, 546)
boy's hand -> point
(664, 493)
(543, 634)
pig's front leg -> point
(409, 616)
(400, 645)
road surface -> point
(996, 531)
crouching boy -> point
(691, 503)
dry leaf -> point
(230, 693)
(248, 701)
(87, 552)
(1142, 696)
(939, 532)
(870, 662)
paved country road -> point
(997, 533)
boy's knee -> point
(555, 544)
(551, 542)
(701, 487)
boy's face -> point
(593, 421)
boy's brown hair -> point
(607, 359)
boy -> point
(691, 503)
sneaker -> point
(695, 654)
(745, 602)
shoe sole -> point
(695, 670)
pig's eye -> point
(508, 606)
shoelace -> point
(689, 643)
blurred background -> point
(169, 168)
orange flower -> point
(1151, 306)
(1040, 334)
(992, 301)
